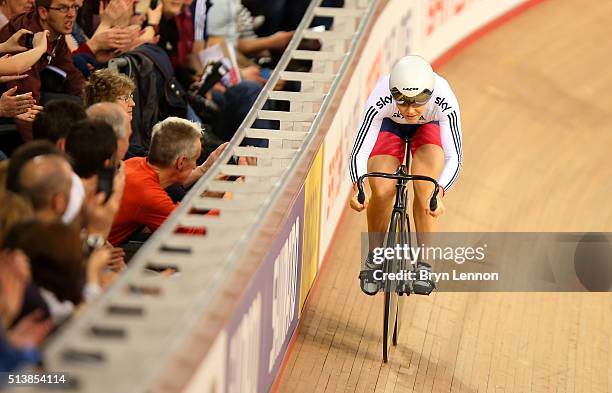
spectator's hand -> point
(30, 332)
(280, 40)
(117, 263)
(40, 40)
(12, 44)
(214, 156)
(12, 105)
(137, 19)
(98, 214)
(96, 264)
(115, 9)
(30, 115)
(14, 276)
(251, 73)
(202, 169)
(143, 39)
(107, 278)
(154, 15)
(111, 39)
(107, 44)
(138, 37)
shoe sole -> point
(369, 293)
(422, 290)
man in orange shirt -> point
(175, 148)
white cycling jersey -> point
(442, 108)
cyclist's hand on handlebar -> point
(439, 210)
(355, 205)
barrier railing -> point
(149, 333)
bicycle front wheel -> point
(404, 239)
(391, 297)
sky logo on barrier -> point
(285, 278)
(244, 354)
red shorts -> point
(391, 140)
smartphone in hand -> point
(29, 38)
(106, 177)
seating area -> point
(110, 113)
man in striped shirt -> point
(412, 100)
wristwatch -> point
(93, 242)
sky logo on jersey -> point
(398, 114)
(384, 101)
(443, 104)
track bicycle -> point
(399, 233)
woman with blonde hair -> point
(110, 86)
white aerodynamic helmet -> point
(411, 81)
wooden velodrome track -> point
(536, 97)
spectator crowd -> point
(104, 125)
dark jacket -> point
(158, 95)
(60, 57)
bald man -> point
(114, 115)
(46, 181)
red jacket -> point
(60, 57)
(144, 202)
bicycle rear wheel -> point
(390, 295)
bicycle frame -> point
(401, 233)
